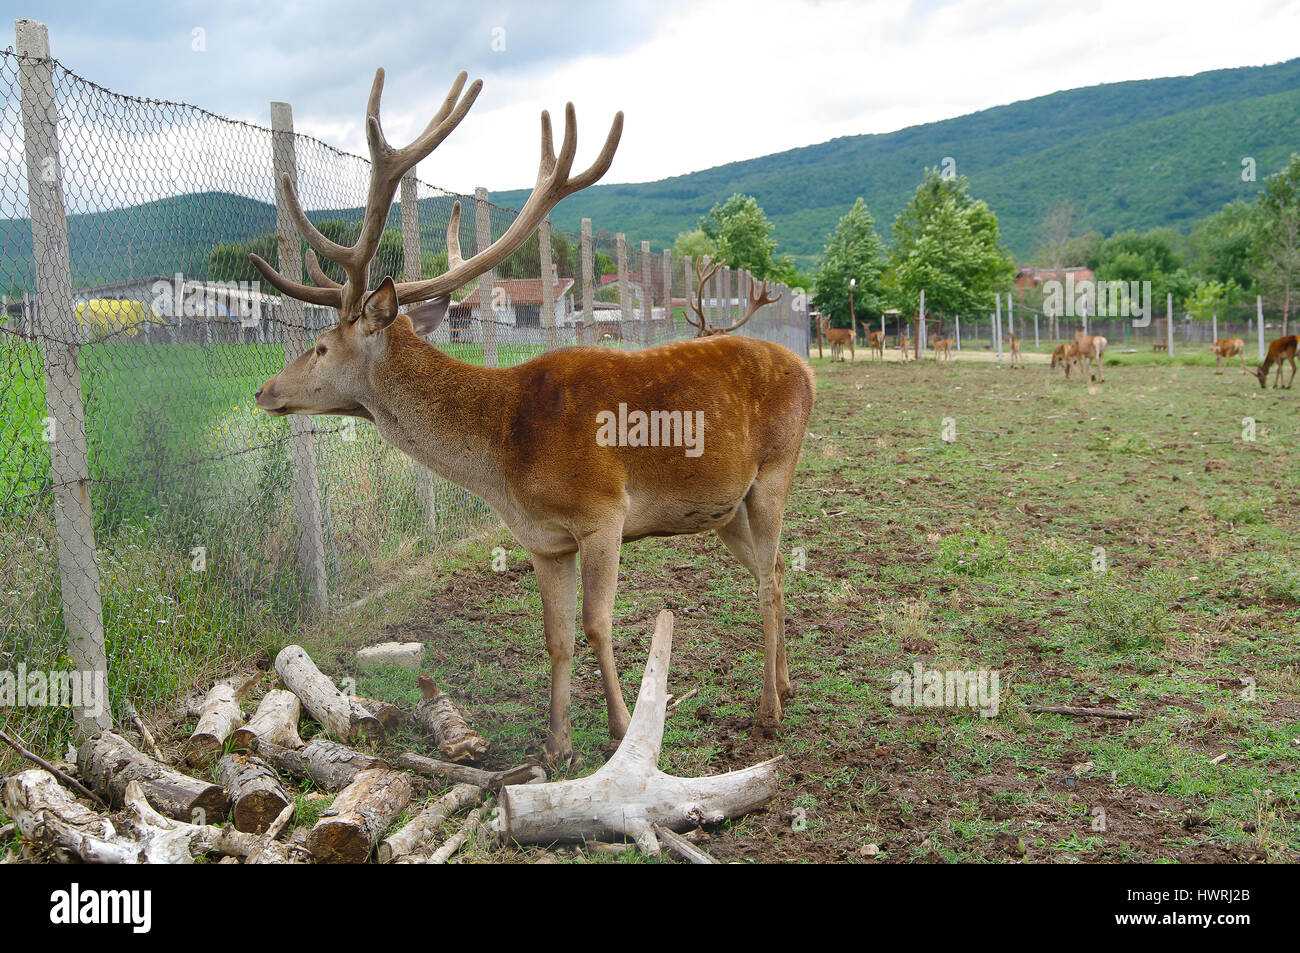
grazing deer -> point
(1283, 349)
(1086, 349)
(1059, 354)
(536, 441)
(877, 341)
(1017, 360)
(1226, 348)
(838, 337)
(943, 348)
(757, 300)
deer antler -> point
(388, 165)
(757, 300)
(696, 300)
(553, 184)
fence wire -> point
(145, 504)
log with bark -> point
(219, 716)
(331, 765)
(107, 762)
(456, 740)
(51, 819)
(464, 774)
(422, 828)
(276, 721)
(353, 824)
(256, 795)
(629, 794)
(391, 718)
(341, 715)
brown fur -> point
(1226, 348)
(524, 440)
(943, 348)
(876, 339)
(1281, 351)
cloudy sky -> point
(702, 82)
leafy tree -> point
(946, 243)
(1147, 256)
(1222, 246)
(742, 234)
(1277, 213)
(695, 245)
(853, 251)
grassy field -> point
(1116, 545)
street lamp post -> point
(853, 318)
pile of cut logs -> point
(136, 808)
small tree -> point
(853, 251)
(742, 234)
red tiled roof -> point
(522, 290)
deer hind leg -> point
(557, 580)
(600, 553)
(754, 536)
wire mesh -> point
(189, 539)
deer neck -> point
(439, 411)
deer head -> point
(333, 377)
(704, 270)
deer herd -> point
(524, 438)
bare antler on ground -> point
(630, 794)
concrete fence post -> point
(548, 283)
(293, 314)
(1259, 320)
(74, 522)
(647, 295)
(624, 289)
(588, 283)
(487, 282)
(669, 324)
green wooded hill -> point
(1139, 154)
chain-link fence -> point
(150, 516)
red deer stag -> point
(1279, 352)
(1226, 348)
(536, 441)
(757, 300)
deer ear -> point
(426, 316)
(380, 308)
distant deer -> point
(1017, 360)
(536, 441)
(1226, 348)
(904, 348)
(943, 349)
(757, 300)
(1279, 351)
(838, 337)
(877, 341)
(1086, 349)
(1059, 357)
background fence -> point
(151, 519)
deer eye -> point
(320, 350)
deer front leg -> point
(600, 554)
(557, 580)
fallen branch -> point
(463, 774)
(681, 848)
(457, 741)
(341, 715)
(629, 794)
(65, 778)
(138, 724)
(473, 820)
(1082, 712)
(422, 828)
